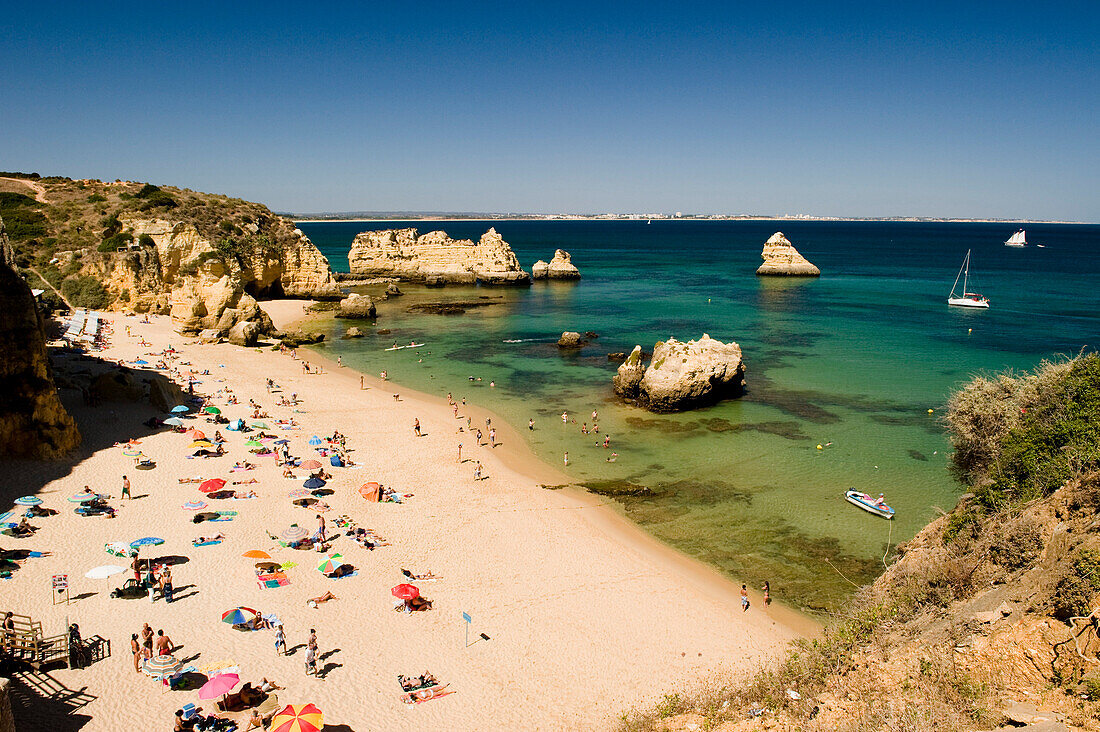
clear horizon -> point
(866, 110)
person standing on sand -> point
(416, 426)
(566, 459)
(744, 598)
(280, 640)
(479, 438)
(460, 452)
(166, 584)
(146, 641)
(477, 471)
(320, 533)
(531, 424)
(126, 487)
(135, 648)
(164, 644)
(767, 593)
(311, 661)
(339, 361)
(492, 437)
(360, 382)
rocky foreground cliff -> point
(435, 258)
(204, 258)
(33, 422)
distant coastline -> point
(384, 217)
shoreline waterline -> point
(516, 454)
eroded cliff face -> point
(782, 259)
(681, 375)
(33, 423)
(202, 283)
(436, 258)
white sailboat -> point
(1017, 240)
(967, 299)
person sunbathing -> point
(417, 603)
(206, 539)
(243, 465)
(269, 686)
(288, 473)
(313, 602)
(241, 495)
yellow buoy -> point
(930, 411)
(819, 447)
(969, 331)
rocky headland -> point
(33, 422)
(682, 376)
(435, 258)
(782, 259)
(561, 267)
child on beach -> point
(311, 661)
(744, 598)
(280, 640)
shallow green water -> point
(855, 359)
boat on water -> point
(966, 299)
(411, 345)
(876, 506)
(1019, 239)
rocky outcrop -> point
(561, 267)
(356, 306)
(682, 376)
(244, 334)
(782, 259)
(436, 259)
(33, 422)
(353, 332)
(571, 339)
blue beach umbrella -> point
(181, 408)
(282, 442)
(313, 483)
(28, 501)
(174, 421)
(147, 541)
(8, 516)
(141, 362)
(315, 440)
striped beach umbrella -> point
(330, 564)
(214, 484)
(28, 501)
(295, 533)
(83, 497)
(298, 493)
(298, 718)
(309, 465)
(195, 505)
(147, 541)
(315, 440)
(161, 667)
(237, 616)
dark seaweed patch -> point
(717, 424)
(786, 430)
(918, 455)
(668, 426)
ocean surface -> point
(851, 361)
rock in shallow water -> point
(682, 375)
(782, 259)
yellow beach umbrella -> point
(202, 443)
(298, 718)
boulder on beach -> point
(682, 376)
(244, 334)
(782, 259)
(356, 306)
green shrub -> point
(96, 198)
(146, 241)
(22, 219)
(1074, 593)
(85, 292)
(148, 190)
(114, 243)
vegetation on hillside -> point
(905, 656)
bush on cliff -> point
(85, 292)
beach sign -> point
(60, 586)
(468, 619)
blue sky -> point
(858, 109)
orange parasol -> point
(256, 554)
(298, 718)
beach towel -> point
(272, 580)
(352, 574)
(207, 543)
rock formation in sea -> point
(561, 267)
(33, 422)
(356, 306)
(782, 259)
(682, 376)
(571, 339)
(435, 258)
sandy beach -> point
(582, 614)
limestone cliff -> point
(33, 423)
(561, 267)
(782, 259)
(436, 258)
(682, 376)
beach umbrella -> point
(256, 554)
(174, 421)
(212, 410)
(214, 484)
(218, 686)
(295, 533)
(370, 491)
(282, 442)
(313, 484)
(298, 718)
(181, 409)
(310, 465)
(237, 616)
(104, 572)
(315, 440)
(161, 667)
(298, 493)
(28, 501)
(141, 362)
(197, 434)
(120, 549)
(260, 425)
(201, 443)
(253, 443)
(7, 516)
(330, 564)
(406, 592)
(195, 505)
(147, 541)
(83, 497)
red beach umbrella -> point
(406, 592)
(310, 465)
(214, 484)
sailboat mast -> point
(966, 271)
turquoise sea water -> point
(854, 358)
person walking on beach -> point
(312, 640)
(767, 593)
(460, 452)
(477, 471)
(339, 361)
(320, 533)
(126, 487)
(531, 424)
(566, 459)
(744, 598)
(479, 438)
(280, 640)
(416, 426)
(166, 584)
(492, 437)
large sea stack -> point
(33, 422)
(435, 258)
(682, 376)
(561, 267)
(783, 260)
